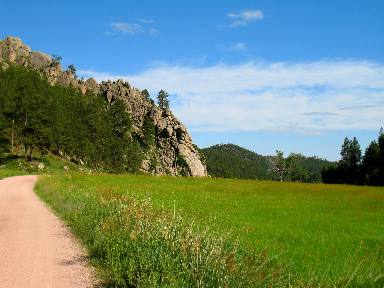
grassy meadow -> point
(181, 232)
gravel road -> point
(36, 248)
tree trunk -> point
(12, 136)
(26, 151)
(30, 153)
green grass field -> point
(6, 172)
(315, 235)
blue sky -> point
(298, 76)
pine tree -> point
(350, 161)
(72, 69)
(83, 128)
(146, 94)
(371, 163)
(162, 100)
(3, 140)
(119, 126)
(56, 60)
(381, 163)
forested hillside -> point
(232, 161)
(37, 116)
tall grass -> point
(146, 231)
(137, 245)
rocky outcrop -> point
(39, 60)
(172, 152)
(14, 51)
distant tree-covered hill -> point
(232, 161)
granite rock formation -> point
(172, 152)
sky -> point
(293, 75)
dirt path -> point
(36, 249)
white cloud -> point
(133, 28)
(308, 97)
(245, 17)
(128, 28)
(152, 31)
(147, 21)
(237, 47)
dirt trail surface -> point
(36, 249)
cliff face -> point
(172, 151)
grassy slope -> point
(323, 231)
(5, 172)
(17, 165)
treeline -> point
(353, 168)
(297, 167)
(35, 116)
(232, 161)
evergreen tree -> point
(331, 175)
(56, 60)
(24, 109)
(3, 140)
(349, 169)
(162, 100)
(72, 69)
(149, 132)
(146, 94)
(120, 127)
(83, 128)
(11, 101)
(355, 157)
(381, 163)
(371, 164)
(350, 161)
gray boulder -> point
(39, 60)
